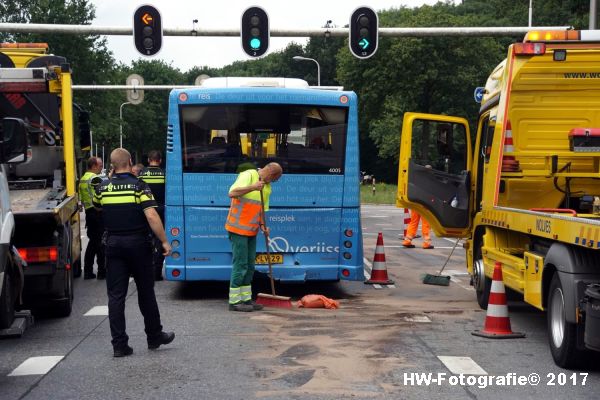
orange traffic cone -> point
(406, 221)
(379, 273)
(509, 163)
(497, 323)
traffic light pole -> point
(318, 32)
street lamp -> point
(121, 124)
(300, 58)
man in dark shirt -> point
(129, 214)
(154, 176)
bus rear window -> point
(229, 138)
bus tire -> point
(562, 335)
(7, 300)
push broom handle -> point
(264, 223)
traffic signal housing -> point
(147, 30)
(364, 26)
(255, 31)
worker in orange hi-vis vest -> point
(412, 231)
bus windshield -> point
(228, 138)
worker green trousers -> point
(242, 270)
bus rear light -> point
(347, 244)
(533, 49)
(347, 256)
(39, 254)
(175, 243)
(183, 97)
(175, 273)
(345, 273)
(175, 255)
(174, 231)
(348, 232)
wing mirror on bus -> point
(13, 141)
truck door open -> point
(434, 175)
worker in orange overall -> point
(412, 231)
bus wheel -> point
(562, 335)
(481, 283)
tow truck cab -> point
(523, 195)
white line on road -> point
(383, 224)
(418, 318)
(376, 216)
(36, 366)
(97, 311)
(462, 365)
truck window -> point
(440, 145)
(488, 137)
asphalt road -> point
(382, 343)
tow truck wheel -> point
(482, 284)
(7, 304)
(65, 305)
(562, 335)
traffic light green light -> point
(364, 27)
(255, 31)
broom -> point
(439, 279)
(270, 300)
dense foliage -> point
(434, 74)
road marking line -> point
(418, 318)
(449, 239)
(462, 365)
(456, 272)
(383, 224)
(96, 311)
(36, 366)
(377, 286)
(377, 216)
(391, 286)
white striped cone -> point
(509, 163)
(497, 323)
(406, 220)
(379, 273)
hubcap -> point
(478, 275)
(557, 317)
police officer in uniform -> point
(93, 221)
(129, 213)
(154, 176)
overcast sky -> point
(186, 52)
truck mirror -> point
(13, 141)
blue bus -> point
(228, 125)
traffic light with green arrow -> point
(364, 26)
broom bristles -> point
(269, 300)
(440, 280)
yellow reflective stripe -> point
(119, 200)
(234, 295)
(153, 179)
(144, 197)
(246, 293)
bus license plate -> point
(276, 258)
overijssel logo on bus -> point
(281, 245)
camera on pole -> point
(364, 26)
(147, 30)
(255, 31)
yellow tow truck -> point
(526, 194)
(36, 102)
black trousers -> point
(95, 249)
(125, 255)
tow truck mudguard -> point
(576, 267)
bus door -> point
(434, 173)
